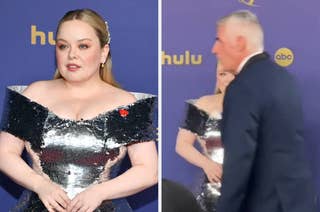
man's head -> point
(238, 35)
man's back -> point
(262, 134)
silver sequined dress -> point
(207, 129)
(76, 154)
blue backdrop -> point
(292, 31)
(27, 55)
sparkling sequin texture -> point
(76, 154)
(207, 128)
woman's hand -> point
(52, 196)
(213, 171)
(86, 201)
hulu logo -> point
(182, 59)
(42, 37)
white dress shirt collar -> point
(245, 60)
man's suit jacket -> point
(265, 168)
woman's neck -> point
(81, 89)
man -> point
(265, 168)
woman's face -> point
(78, 51)
(223, 78)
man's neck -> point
(245, 60)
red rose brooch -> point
(123, 112)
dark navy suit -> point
(265, 168)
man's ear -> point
(241, 42)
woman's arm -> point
(142, 174)
(16, 168)
(12, 164)
(185, 148)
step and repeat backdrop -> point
(292, 31)
(27, 55)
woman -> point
(202, 124)
(78, 127)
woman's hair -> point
(218, 68)
(102, 31)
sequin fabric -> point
(207, 128)
(76, 153)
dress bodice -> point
(207, 128)
(76, 154)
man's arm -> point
(239, 136)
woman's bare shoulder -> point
(122, 97)
(208, 102)
(39, 89)
(204, 101)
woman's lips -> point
(73, 67)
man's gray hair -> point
(245, 24)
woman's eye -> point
(62, 46)
(83, 46)
(223, 74)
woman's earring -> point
(102, 65)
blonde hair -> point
(218, 67)
(102, 31)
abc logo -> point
(284, 57)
